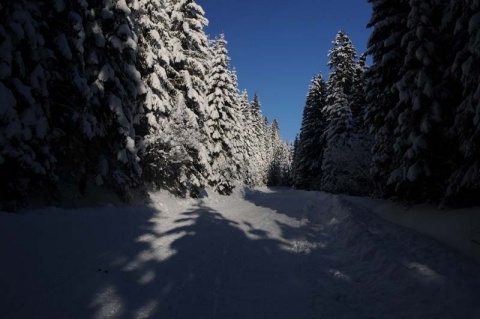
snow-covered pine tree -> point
(389, 23)
(422, 145)
(249, 142)
(310, 145)
(462, 21)
(253, 144)
(344, 157)
(108, 119)
(288, 172)
(240, 142)
(170, 129)
(259, 128)
(154, 59)
(170, 159)
(243, 142)
(191, 52)
(295, 159)
(26, 158)
(75, 38)
(256, 107)
(190, 60)
(362, 139)
(223, 121)
(279, 168)
(358, 105)
(268, 148)
(336, 164)
(274, 175)
(343, 63)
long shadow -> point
(200, 264)
(404, 270)
(204, 267)
(215, 271)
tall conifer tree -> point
(310, 145)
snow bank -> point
(456, 228)
(406, 263)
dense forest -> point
(125, 94)
(132, 93)
(408, 126)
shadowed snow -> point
(270, 253)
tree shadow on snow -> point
(144, 263)
(205, 266)
(215, 271)
(381, 270)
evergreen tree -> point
(346, 156)
(171, 153)
(462, 20)
(223, 122)
(191, 53)
(343, 64)
(336, 166)
(279, 166)
(250, 142)
(26, 158)
(310, 145)
(190, 60)
(154, 63)
(422, 147)
(170, 128)
(389, 23)
(260, 130)
(358, 105)
(116, 83)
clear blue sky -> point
(278, 45)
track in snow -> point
(276, 253)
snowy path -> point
(273, 254)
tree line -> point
(125, 93)
(131, 93)
(408, 126)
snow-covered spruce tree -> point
(107, 120)
(358, 105)
(171, 153)
(170, 129)
(343, 63)
(224, 122)
(268, 148)
(389, 23)
(243, 145)
(240, 144)
(309, 150)
(295, 159)
(26, 159)
(362, 139)
(253, 143)
(190, 60)
(95, 88)
(260, 131)
(153, 62)
(77, 40)
(250, 140)
(279, 171)
(336, 164)
(463, 22)
(274, 174)
(422, 146)
(346, 157)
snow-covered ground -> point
(268, 253)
